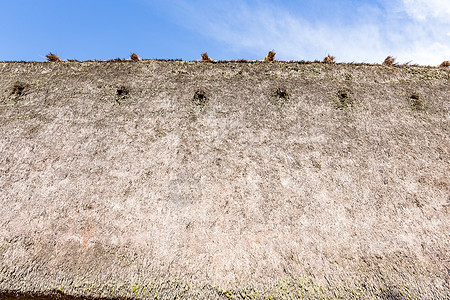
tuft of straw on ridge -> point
(135, 57)
(206, 58)
(445, 64)
(53, 57)
(329, 59)
(270, 56)
(389, 61)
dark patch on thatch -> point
(343, 99)
(55, 295)
(18, 89)
(122, 94)
(417, 101)
(200, 99)
(281, 96)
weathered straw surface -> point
(246, 194)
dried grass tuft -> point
(135, 57)
(270, 56)
(53, 57)
(445, 64)
(206, 58)
(329, 59)
(389, 61)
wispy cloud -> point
(428, 9)
(411, 30)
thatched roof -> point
(224, 180)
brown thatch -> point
(445, 64)
(270, 56)
(53, 57)
(135, 57)
(128, 181)
(329, 59)
(389, 61)
(206, 58)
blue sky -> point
(359, 31)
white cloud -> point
(426, 9)
(411, 30)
